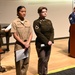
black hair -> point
(40, 9)
(19, 8)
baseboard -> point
(61, 38)
(34, 40)
(56, 38)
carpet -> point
(69, 71)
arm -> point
(29, 40)
(8, 28)
(18, 38)
(52, 33)
(37, 30)
(15, 35)
(25, 43)
(71, 19)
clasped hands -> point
(26, 44)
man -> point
(72, 21)
(72, 17)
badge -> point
(36, 27)
(71, 18)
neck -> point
(42, 17)
(21, 18)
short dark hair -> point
(40, 9)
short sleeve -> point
(13, 28)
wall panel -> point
(58, 12)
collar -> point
(41, 18)
(19, 20)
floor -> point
(59, 58)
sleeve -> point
(38, 33)
(71, 20)
(13, 28)
(52, 33)
(30, 29)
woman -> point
(23, 34)
(45, 37)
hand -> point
(50, 43)
(26, 44)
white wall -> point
(58, 12)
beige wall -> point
(58, 12)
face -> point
(43, 13)
(22, 13)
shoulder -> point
(71, 15)
(35, 21)
(26, 20)
(15, 21)
(48, 20)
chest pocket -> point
(20, 28)
(27, 28)
(45, 27)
